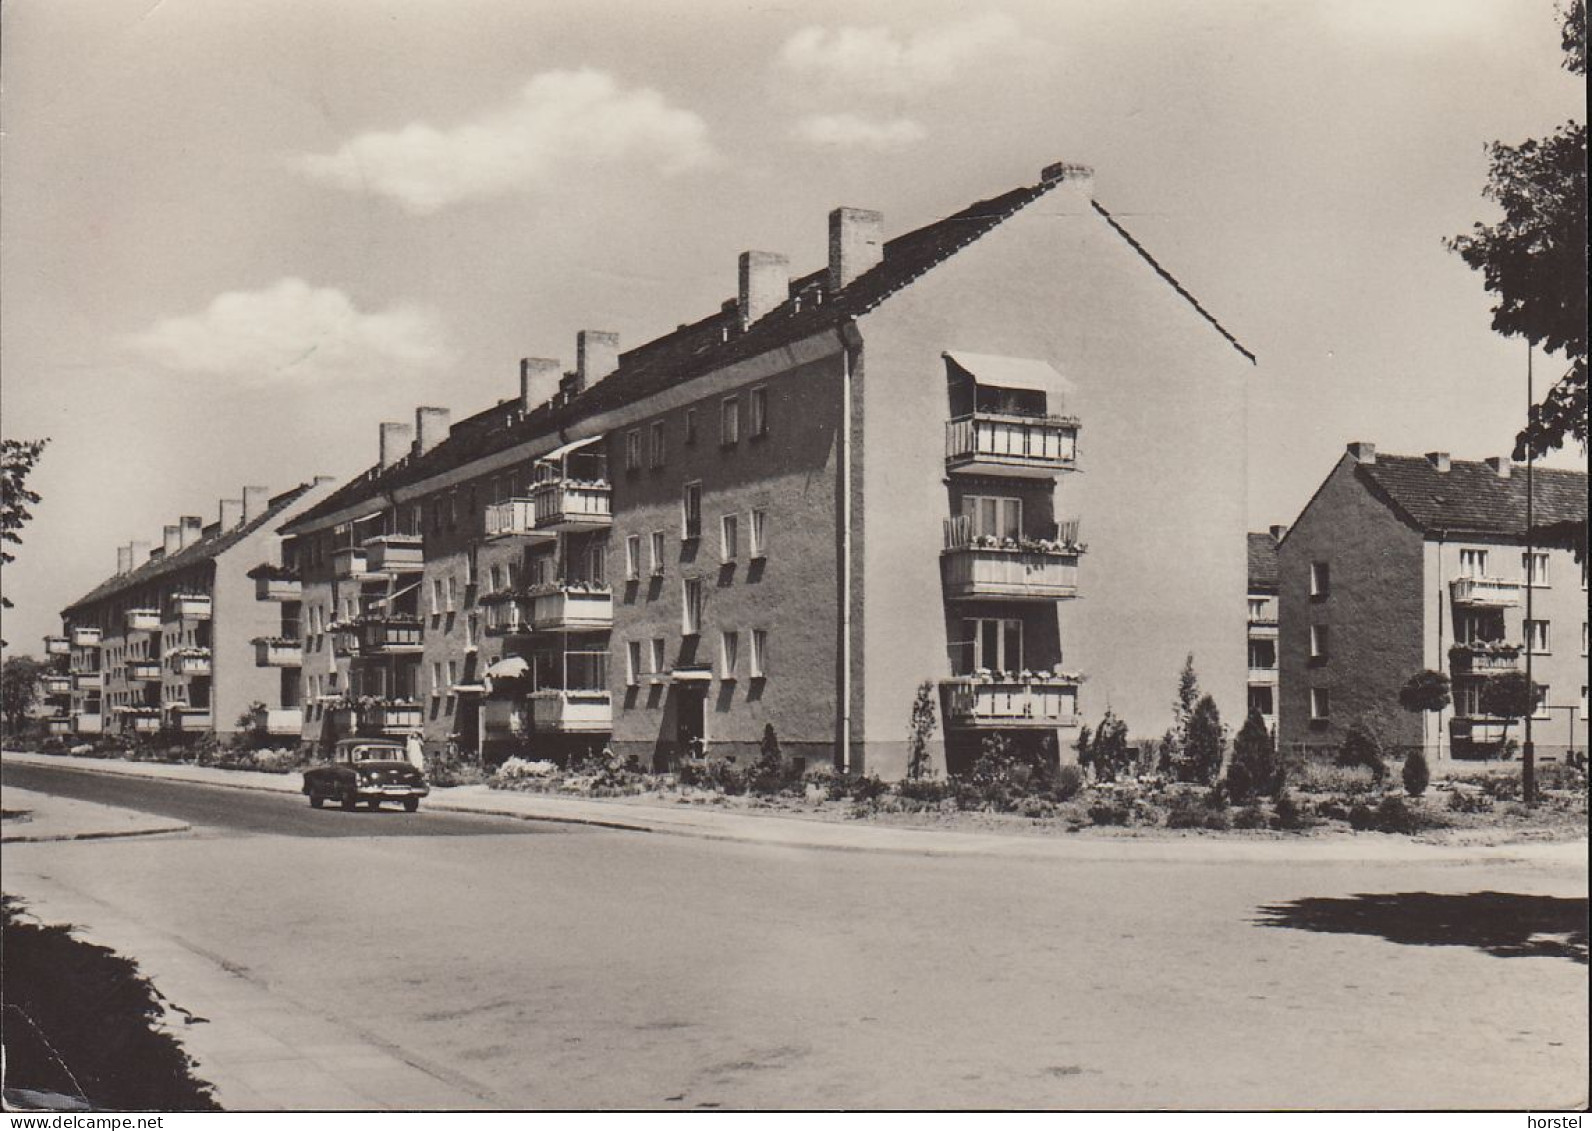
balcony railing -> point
(348, 563)
(1011, 445)
(57, 646)
(1483, 730)
(55, 686)
(278, 654)
(88, 681)
(1026, 570)
(142, 723)
(88, 722)
(572, 610)
(280, 720)
(190, 606)
(190, 663)
(59, 725)
(186, 718)
(395, 553)
(143, 620)
(1034, 702)
(394, 718)
(1488, 592)
(389, 637)
(506, 617)
(1484, 659)
(572, 712)
(1263, 675)
(85, 637)
(143, 671)
(570, 505)
(278, 589)
(515, 518)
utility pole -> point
(1528, 765)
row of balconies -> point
(559, 506)
(566, 609)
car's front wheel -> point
(411, 804)
(316, 801)
(374, 803)
(348, 801)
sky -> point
(237, 236)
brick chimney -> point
(764, 284)
(138, 551)
(1277, 532)
(431, 427)
(1440, 461)
(124, 560)
(230, 513)
(170, 539)
(1363, 452)
(190, 529)
(255, 502)
(856, 244)
(596, 356)
(393, 442)
(538, 380)
(1501, 466)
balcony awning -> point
(509, 667)
(573, 445)
(468, 688)
(1009, 372)
(691, 675)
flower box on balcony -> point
(189, 661)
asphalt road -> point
(598, 968)
(218, 808)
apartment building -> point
(1401, 564)
(55, 686)
(796, 511)
(187, 636)
(1262, 625)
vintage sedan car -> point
(371, 770)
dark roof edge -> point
(1177, 286)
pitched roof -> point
(1471, 498)
(712, 343)
(1262, 563)
(206, 549)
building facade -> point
(1401, 564)
(1262, 626)
(798, 511)
(186, 638)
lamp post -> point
(1528, 765)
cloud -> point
(849, 131)
(293, 331)
(561, 122)
(874, 60)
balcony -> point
(190, 719)
(88, 722)
(277, 587)
(506, 615)
(194, 662)
(389, 637)
(190, 606)
(1484, 658)
(278, 652)
(59, 725)
(85, 637)
(143, 671)
(142, 723)
(1263, 676)
(143, 620)
(1480, 730)
(572, 505)
(57, 646)
(395, 553)
(1036, 701)
(515, 518)
(1001, 444)
(348, 563)
(88, 681)
(1485, 592)
(55, 686)
(572, 712)
(572, 610)
(280, 720)
(394, 718)
(1026, 570)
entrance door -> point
(689, 729)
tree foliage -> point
(1534, 259)
(1205, 744)
(1361, 747)
(19, 689)
(1255, 770)
(1425, 691)
(1417, 775)
(1509, 696)
(17, 459)
(921, 730)
(1107, 752)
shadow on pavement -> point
(1503, 924)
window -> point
(691, 512)
(472, 626)
(632, 662)
(1260, 701)
(658, 542)
(691, 610)
(759, 532)
(1542, 711)
(632, 557)
(996, 643)
(497, 578)
(1475, 626)
(1320, 579)
(729, 537)
(436, 678)
(1257, 608)
(453, 678)
(660, 656)
(729, 421)
(436, 596)
(1467, 700)
(729, 650)
(690, 425)
(994, 516)
(655, 452)
(1318, 642)
(633, 449)
(759, 657)
(1320, 703)
(1537, 640)
(453, 593)
(1535, 566)
(1262, 655)
(1473, 563)
(757, 405)
(1583, 638)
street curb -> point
(14, 839)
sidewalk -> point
(46, 817)
(788, 831)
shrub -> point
(921, 730)
(865, 789)
(1205, 745)
(1361, 748)
(1067, 783)
(1107, 752)
(1250, 817)
(1109, 813)
(1195, 811)
(1416, 774)
(1036, 807)
(769, 776)
(925, 790)
(1256, 769)
(1393, 815)
(1501, 787)
(1469, 801)
(1288, 815)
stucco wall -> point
(1161, 490)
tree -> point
(17, 458)
(1205, 744)
(1361, 747)
(1509, 696)
(1425, 691)
(1188, 694)
(1417, 776)
(1110, 753)
(921, 731)
(1255, 769)
(19, 689)
(1534, 259)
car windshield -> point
(376, 754)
